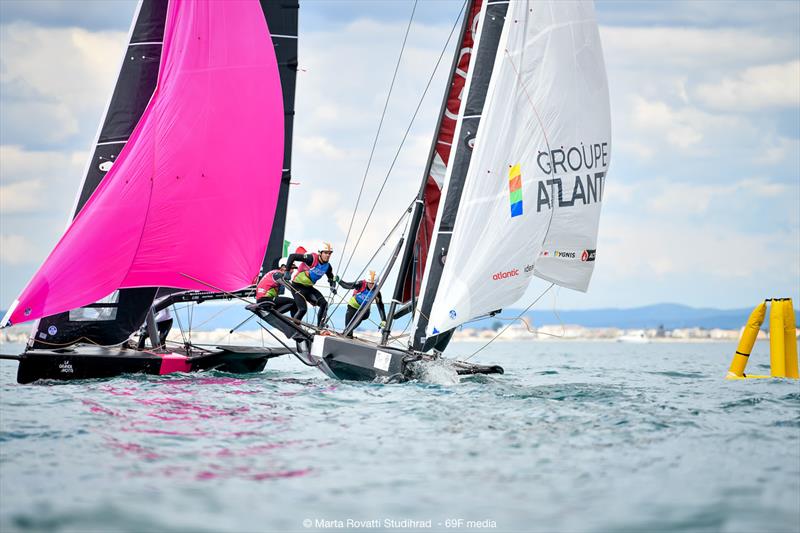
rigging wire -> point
(402, 142)
(377, 133)
(180, 324)
(473, 354)
(405, 214)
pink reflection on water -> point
(97, 408)
(168, 432)
(123, 448)
(210, 380)
(119, 391)
(220, 472)
(258, 449)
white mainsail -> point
(532, 195)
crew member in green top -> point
(362, 291)
(310, 269)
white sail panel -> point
(532, 197)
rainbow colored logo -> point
(515, 190)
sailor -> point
(270, 289)
(362, 291)
(270, 303)
(310, 269)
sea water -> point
(576, 436)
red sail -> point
(441, 153)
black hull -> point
(90, 362)
(350, 359)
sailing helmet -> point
(284, 261)
(371, 277)
(326, 247)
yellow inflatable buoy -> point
(790, 339)
(782, 341)
(777, 354)
(747, 341)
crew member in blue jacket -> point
(362, 291)
(311, 268)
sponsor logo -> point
(453, 314)
(504, 275)
(588, 255)
(515, 190)
(529, 268)
(52, 330)
(65, 367)
(564, 254)
(554, 192)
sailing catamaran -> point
(197, 128)
(512, 189)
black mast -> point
(409, 258)
(491, 30)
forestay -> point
(193, 192)
(532, 197)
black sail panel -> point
(112, 320)
(282, 21)
(133, 90)
(491, 30)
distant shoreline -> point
(516, 333)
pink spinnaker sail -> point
(189, 202)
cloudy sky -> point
(702, 201)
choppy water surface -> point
(576, 436)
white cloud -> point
(764, 188)
(54, 89)
(21, 197)
(33, 181)
(636, 148)
(323, 199)
(662, 248)
(659, 48)
(686, 128)
(759, 87)
(318, 146)
(681, 199)
(778, 150)
(17, 250)
(678, 128)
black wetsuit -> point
(278, 304)
(305, 294)
(352, 310)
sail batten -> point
(178, 200)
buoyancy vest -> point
(361, 294)
(309, 275)
(268, 287)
